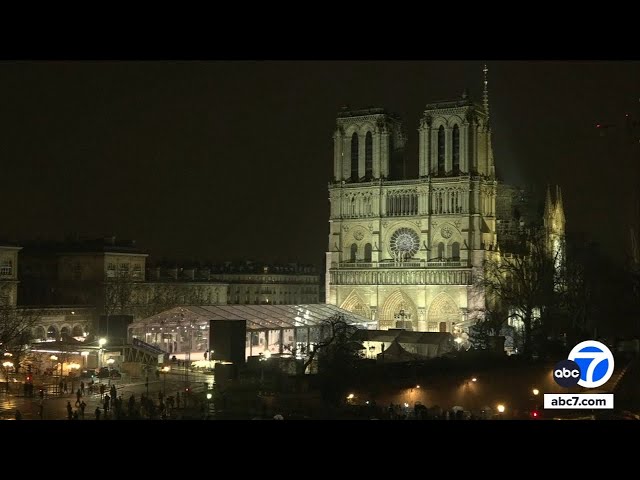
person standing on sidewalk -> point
(82, 407)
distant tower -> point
(368, 144)
(554, 224)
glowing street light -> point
(84, 354)
(7, 366)
(474, 379)
(500, 408)
(102, 342)
(536, 391)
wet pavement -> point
(54, 405)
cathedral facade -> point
(404, 251)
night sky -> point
(230, 160)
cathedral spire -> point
(548, 205)
(485, 93)
(559, 207)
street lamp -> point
(7, 366)
(53, 359)
(164, 371)
(535, 391)
(102, 342)
(84, 354)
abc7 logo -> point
(590, 365)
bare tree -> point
(524, 283)
(335, 343)
(16, 325)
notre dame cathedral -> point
(405, 252)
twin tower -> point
(404, 251)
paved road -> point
(54, 405)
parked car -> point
(106, 372)
(90, 373)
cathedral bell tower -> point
(403, 251)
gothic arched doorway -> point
(355, 304)
(398, 311)
(443, 314)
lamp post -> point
(264, 356)
(164, 371)
(110, 362)
(7, 365)
(84, 354)
(102, 342)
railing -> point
(400, 264)
(392, 264)
(446, 263)
(136, 342)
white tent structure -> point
(184, 331)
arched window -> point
(441, 150)
(367, 252)
(455, 251)
(368, 156)
(52, 332)
(354, 250)
(354, 157)
(456, 148)
(441, 250)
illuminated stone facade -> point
(8, 275)
(404, 251)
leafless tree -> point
(522, 283)
(16, 325)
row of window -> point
(368, 156)
(124, 270)
(455, 139)
(452, 253)
(6, 267)
(368, 152)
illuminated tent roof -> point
(258, 317)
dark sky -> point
(227, 160)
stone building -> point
(251, 282)
(405, 251)
(8, 275)
(105, 276)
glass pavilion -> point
(184, 331)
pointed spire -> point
(548, 208)
(559, 207)
(485, 93)
(558, 195)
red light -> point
(534, 414)
(598, 125)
